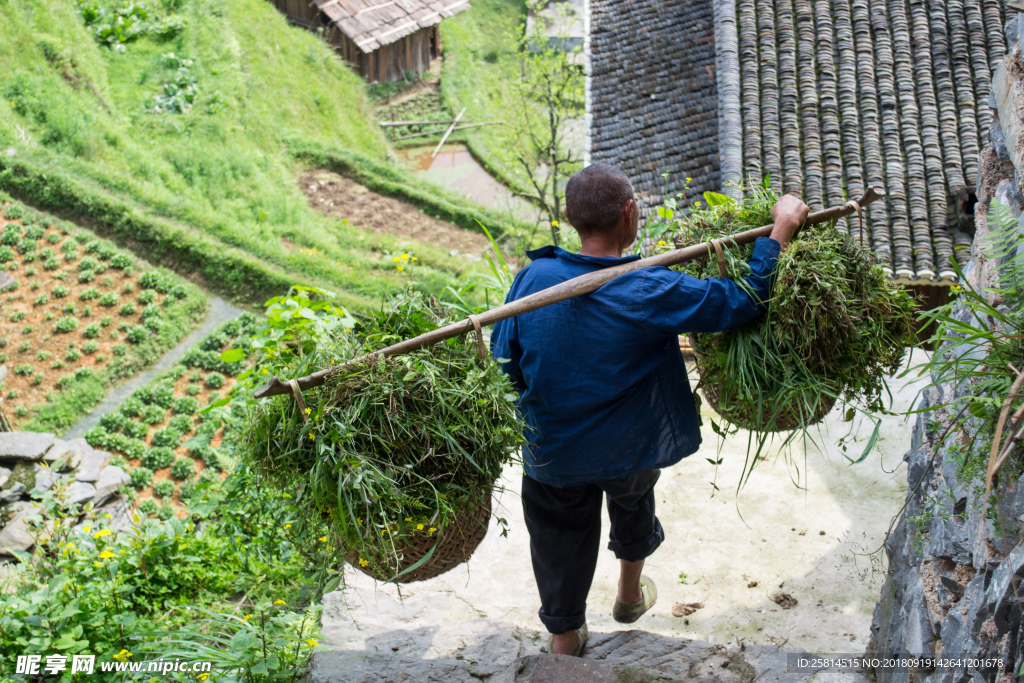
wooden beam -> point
(435, 132)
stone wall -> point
(954, 581)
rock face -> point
(954, 575)
(24, 445)
(91, 465)
(16, 536)
(111, 479)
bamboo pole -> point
(584, 284)
(447, 133)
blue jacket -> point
(602, 385)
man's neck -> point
(600, 246)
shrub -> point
(59, 292)
(215, 380)
(158, 281)
(41, 300)
(3, 342)
(183, 469)
(150, 312)
(123, 326)
(70, 250)
(148, 507)
(86, 276)
(72, 354)
(25, 347)
(193, 389)
(129, 287)
(92, 293)
(53, 237)
(12, 393)
(127, 309)
(21, 411)
(6, 254)
(158, 457)
(153, 414)
(18, 316)
(4, 357)
(91, 331)
(13, 212)
(113, 421)
(90, 347)
(108, 299)
(171, 438)
(121, 261)
(163, 489)
(178, 292)
(119, 350)
(158, 394)
(24, 369)
(87, 311)
(69, 308)
(57, 365)
(152, 324)
(66, 324)
(180, 423)
(28, 329)
(137, 334)
(34, 232)
(10, 238)
(43, 355)
(51, 264)
(185, 405)
(106, 321)
(137, 430)
(147, 296)
(141, 477)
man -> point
(604, 392)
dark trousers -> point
(565, 536)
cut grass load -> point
(399, 456)
(835, 327)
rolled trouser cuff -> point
(639, 550)
(562, 624)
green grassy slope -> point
(210, 191)
(479, 55)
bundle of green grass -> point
(836, 326)
(397, 457)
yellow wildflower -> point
(107, 516)
(420, 527)
(363, 563)
(689, 179)
(246, 618)
(432, 530)
(408, 519)
(308, 411)
(87, 528)
(69, 546)
(279, 602)
(400, 269)
(322, 539)
(310, 642)
(697, 203)
(287, 526)
(312, 436)
(122, 655)
(265, 371)
(97, 563)
(106, 555)
(101, 533)
(203, 676)
(412, 258)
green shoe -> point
(627, 613)
(582, 633)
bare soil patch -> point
(338, 197)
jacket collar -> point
(551, 251)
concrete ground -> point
(819, 542)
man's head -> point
(599, 201)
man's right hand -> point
(789, 213)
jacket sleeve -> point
(676, 303)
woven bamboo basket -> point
(452, 546)
(789, 418)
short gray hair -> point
(594, 198)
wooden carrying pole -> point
(584, 284)
(447, 133)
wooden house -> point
(383, 39)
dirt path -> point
(336, 196)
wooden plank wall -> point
(389, 63)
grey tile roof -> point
(840, 94)
(824, 96)
(654, 101)
(371, 24)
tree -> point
(545, 99)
